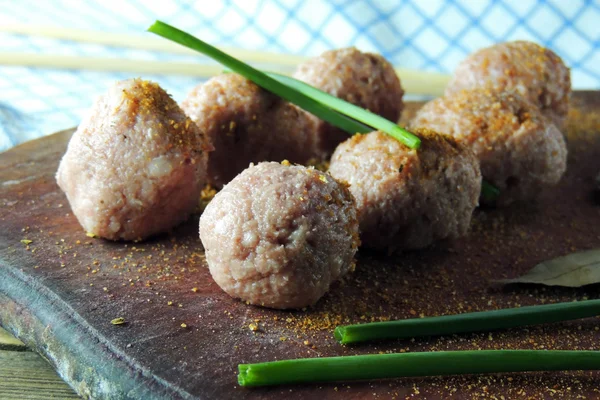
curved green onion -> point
(467, 322)
(358, 113)
(261, 79)
(380, 366)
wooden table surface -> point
(26, 375)
(502, 244)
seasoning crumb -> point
(195, 289)
(118, 321)
(90, 234)
(184, 325)
(26, 241)
(206, 195)
(253, 326)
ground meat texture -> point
(136, 164)
(246, 124)
(406, 198)
(279, 235)
(535, 72)
(364, 79)
(521, 152)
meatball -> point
(364, 79)
(520, 151)
(406, 198)
(278, 235)
(246, 124)
(535, 72)
(136, 164)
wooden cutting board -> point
(183, 337)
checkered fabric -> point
(430, 35)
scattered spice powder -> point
(401, 286)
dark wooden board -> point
(59, 293)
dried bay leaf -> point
(573, 270)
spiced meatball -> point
(136, 164)
(246, 124)
(407, 199)
(521, 152)
(364, 79)
(278, 235)
(537, 73)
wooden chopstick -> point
(413, 82)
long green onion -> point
(414, 364)
(467, 322)
(358, 113)
(261, 79)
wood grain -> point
(9, 342)
(60, 292)
(25, 375)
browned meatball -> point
(364, 79)
(535, 72)
(136, 164)
(521, 152)
(246, 124)
(406, 198)
(279, 235)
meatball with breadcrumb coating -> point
(365, 79)
(521, 152)
(136, 164)
(279, 235)
(408, 198)
(246, 124)
(535, 72)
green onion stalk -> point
(467, 322)
(286, 92)
(380, 366)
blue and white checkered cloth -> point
(430, 35)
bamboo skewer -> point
(413, 82)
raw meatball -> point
(406, 199)
(246, 124)
(364, 79)
(136, 164)
(278, 235)
(521, 152)
(535, 72)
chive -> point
(358, 113)
(378, 366)
(467, 322)
(489, 192)
(261, 79)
